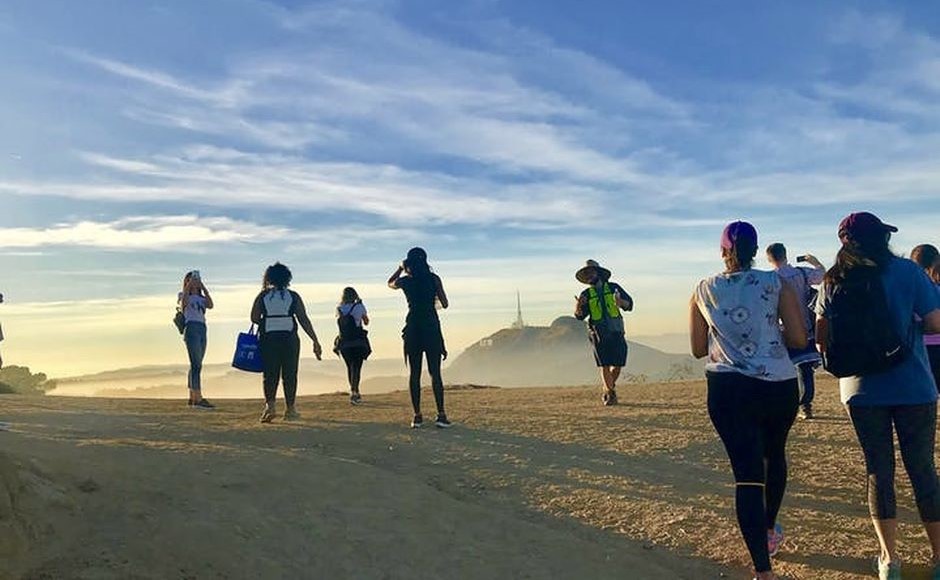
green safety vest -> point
(594, 304)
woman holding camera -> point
(422, 333)
(194, 300)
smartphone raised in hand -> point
(801, 258)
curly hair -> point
(276, 276)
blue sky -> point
(512, 139)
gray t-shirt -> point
(909, 292)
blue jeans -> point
(195, 337)
(806, 376)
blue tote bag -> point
(248, 352)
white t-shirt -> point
(744, 333)
(195, 310)
(357, 310)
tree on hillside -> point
(19, 380)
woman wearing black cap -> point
(422, 334)
(752, 388)
(893, 390)
(600, 303)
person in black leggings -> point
(353, 340)
(753, 393)
(422, 334)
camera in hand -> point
(801, 258)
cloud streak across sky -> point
(234, 133)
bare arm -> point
(932, 322)
(256, 310)
(788, 309)
(440, 292)
(580, 310)
(209, 303)
(698, 330)
(300, 311)
(393, 279)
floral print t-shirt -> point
(743, 325)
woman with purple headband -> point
(753, 395)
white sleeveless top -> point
(277, 311)
(744, 333)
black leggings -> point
(354, 357)
(753, 418)
(280, 352)
(916, 428)
(414, 379)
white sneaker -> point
(268, 414)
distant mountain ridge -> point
(559, 354)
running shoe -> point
(355, 399)
(204, 405)
(775, 539)
(291, 414)
(609, 398)
(268, 414)
(442, 422)
(888, 570)
(806, 412)
(417, 422)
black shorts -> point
(610, 350)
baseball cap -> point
(863, 224)
(737, 232)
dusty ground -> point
(531, 483)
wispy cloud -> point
(186, 232)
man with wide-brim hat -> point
(600, 304)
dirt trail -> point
(531, 483)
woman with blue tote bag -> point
(278, 312)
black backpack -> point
(348, 329)
(862, 338)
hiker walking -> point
(600, 303)
(867, 333)
(752, 387)
(352, 343)
(422, 336)
(928, 257)
(278, 312)
(194, 301)
(802, 280)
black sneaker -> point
(806, 412)
(609, 398)
(442, 422)
(417, 422)
(203, 404)
(355, 399)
